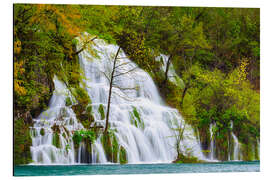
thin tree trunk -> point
(167, 70)
(183, 96)
(110, 92)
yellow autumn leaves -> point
(18, 84)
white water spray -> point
(236, 146)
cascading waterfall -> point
(212, 142)
(52, 131)
(149, 138)
(236, 146)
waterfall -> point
(236, 146)
(52, 130)
(212, 142)
(147, 136)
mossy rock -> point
(82, 96)
(89, 109)
(136, 119)
(187, 159)
(84, 115)
(56, 140)
(68, 101)
(56, 128)
(101, 112)
(123, 156)
(42, 132)
(111, 146)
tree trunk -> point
(110, 92)
(167, 70)
(183, 96)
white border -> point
(6, 86)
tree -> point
(179, 135)
(111, 78)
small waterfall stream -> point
(236, 146)
(212, 142)
(151, 139)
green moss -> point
(42, 132)
(82, 96)
(123, 156)
(22, 142)
(187, 159)
(136, 114)
(84, 115)
(88, 136)
(68, 101)
(56, 140)
(110, 145)
(89, 109)
(136, 119)
(101, 111)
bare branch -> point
(105, 75)
(122, 58)
(123, 88)
(125, 63)
(84, 46)
(126, 98)
(125, 72)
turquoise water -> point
(61, 170)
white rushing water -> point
(57, 115)
(237, 155)
(212, 142)
(149, 139)
(172, 75)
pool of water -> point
(68, 170)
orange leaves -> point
(17, 47)
(18, 88)
(53, 17)
(18, 84)
(18, 69)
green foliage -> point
(136, 119)
(221, 99)
(42, 132)
(123, 156)
(101, 111)
(22, 142)
(68, 101)
(186, 159)
(56, 140)
(89, 109)
(81, 96)
(110, 145)
(84, 114)
(83, 135)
